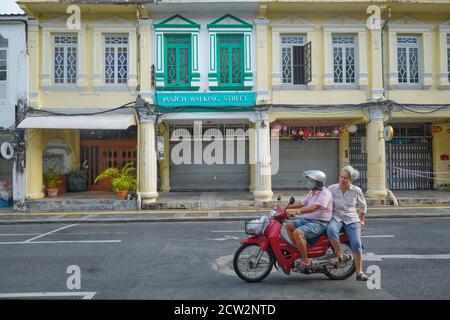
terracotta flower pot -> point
(122, 194)
(52, 192)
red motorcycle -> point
(267, 247)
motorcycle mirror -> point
(279, 198)
(291, 200)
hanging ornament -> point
(300, 133)
(276, 127)
(336, 132)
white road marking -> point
(46, 234)
(225, 237)
(227, 231)
(379, 236)
(63, 241)
(370, 256)
(83, 295)
(18, 234)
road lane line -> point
(62, 241)
(83, 295)
(379, 236)
(46, 234)
(370, 256)
(18, 234)
(227, 231)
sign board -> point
(206, 99)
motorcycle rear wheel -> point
(341, 273)
(243, 259)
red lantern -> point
(276, 127)
(436, 129)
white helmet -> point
(316, 175)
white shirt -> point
(346, 206)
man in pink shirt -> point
(316, 210)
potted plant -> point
(52, 179)
(123, 180)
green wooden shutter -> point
(230, 50)
(178, 57)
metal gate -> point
(298, 156)
(409, 158)
(358, 155)
(231, 174)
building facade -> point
(324, 76)
(13, 86)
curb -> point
(198, 219)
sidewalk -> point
(205, 206)
(9, 218)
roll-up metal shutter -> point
(298, 156)
(204, 176)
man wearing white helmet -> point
(316, 210)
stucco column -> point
(33, 63)
(263, 176)
(34, 165)
(164, 165)
(251, 156)
(441, 146)
(344, 144)
(376, 156)
(145, 63)
(262, 60)
(376, 68)
(147, 161)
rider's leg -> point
(300, 242)
(333, 230)
(290, 231)
(353, 231)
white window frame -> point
(115, 48)
(408, 26)
(286, 27)
(65, 47)
(360, 33)
(113, 25)
(408, 47)
(6, 60)
(353, 45)
(290, 46)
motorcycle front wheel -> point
(245, 265)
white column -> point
(393, 67)
(263, 176)
(427, 58)
(443, 65)
(97, 74)
(81, 63)
(147, 162)
(328, 80)
(362, 58)
(276, 72)
(46, 59)
(132, 72)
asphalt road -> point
(191, 260)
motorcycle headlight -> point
(274, 213)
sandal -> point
(340, 260)
(362, 277)
(299, 266)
